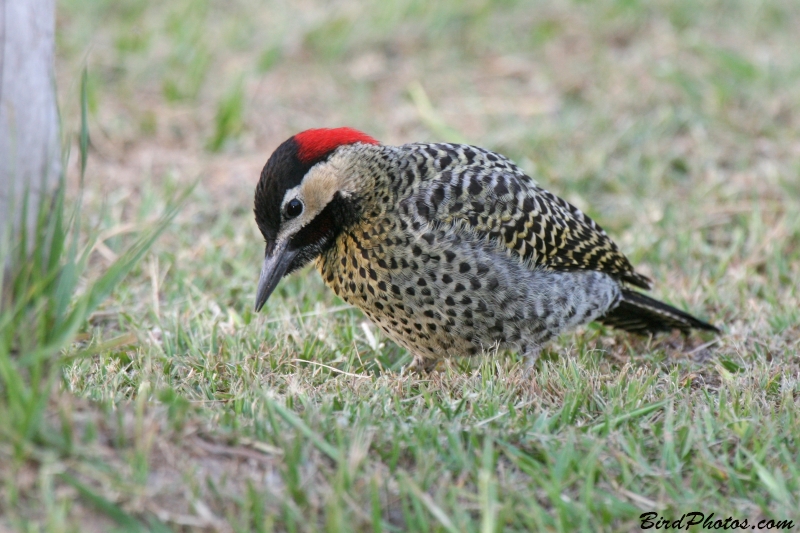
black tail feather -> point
(641, 314)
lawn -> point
(674, 124)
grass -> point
(672, 123)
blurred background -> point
(648, 94)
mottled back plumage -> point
(486, 191)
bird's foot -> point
(421, 366)
(530, 356)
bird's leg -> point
(422, 365)
(530, 356)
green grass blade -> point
(107, 507)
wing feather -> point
(459, 184)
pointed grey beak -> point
(275, 266)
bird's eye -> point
(294, 208)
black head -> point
(300, 211)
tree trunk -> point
(30, 154)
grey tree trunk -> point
(30, 155)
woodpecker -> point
(449, 249)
